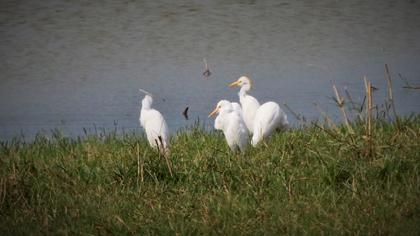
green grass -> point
(309, 180)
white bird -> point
(261, 120)
(268, 118)
(154, 125)
(248, 102)
(231, 123)
(218, 122)
(237, 107)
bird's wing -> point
(155, 126)
(267, 118)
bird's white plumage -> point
(261, 120)
(237, 107)
(230, 121)
(248, 102)
(154, 125)
(268, 118)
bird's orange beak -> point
(216, 110)
(236, 83)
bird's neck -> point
(243, 91)
(145, 107)
(146, 104)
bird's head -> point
(243, 81)
(222, 105)
(147, 102)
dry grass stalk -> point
(407, 84)
(336, 136)
(390, 94)
(164, 152)
(3, 185)
(140, 165)
(353, 104)
(326, 117)
(166, 156)
(388, 78)
(369, 104)
(168, 163)
(340, 103)
(350, 98)
(297, 116)
(353, 187)
(142, 168)
(411, 87)
(138, 162)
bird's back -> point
(269, 117)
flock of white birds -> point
(237, 121)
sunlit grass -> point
(309, 180)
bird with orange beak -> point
(261, 120)
(230, 121)
(248, 102)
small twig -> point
(326, 117)
(368, 89)
(206, 72)
(353, 188)
(340, 103)
(339, 100)
(411, 87)
(404, 79)
(390, 94)
(298, 117)
(118, 218)
(165, 155)
(363, 104)
(3, 191)
(369, 108)
(157, 146)
(350, 98)
(289, 187)
(407, 85)
(334, 136)
(140, 165)
(388, 78)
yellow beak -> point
(236, 83)
(216, 110)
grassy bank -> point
(309, 180)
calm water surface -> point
(75, 64)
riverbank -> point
(310, 180)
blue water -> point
(70, 65)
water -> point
(77, 64)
